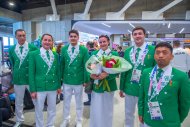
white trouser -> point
(130, 106)
(101, 109)
(19, 99)
(51, 109)
(68, 90)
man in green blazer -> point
(140, 56)
(18, 55)
(164, 98)
(74, 75)
(101, 109)
(44, 80)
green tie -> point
(47, 53)
(21, 48)
(73, 48)
(104, 53)
(137, 53)
(159, 73)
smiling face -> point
(138, 36)
(163, 56)
(21, 37)
(47, 42)
(104, 43)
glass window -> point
(5, 41)
(11, 41)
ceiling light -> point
(106, 25)
(11, 3)
(129, 31)
(181, 30)
(169, 25)
(148, 32)
(132, 25)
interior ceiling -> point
(30, 4)
(123, 27)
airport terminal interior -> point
(164, 21)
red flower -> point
(110, 63)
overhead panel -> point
(158, 15)
(120, 15)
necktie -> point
(73, 48)
(104, 53)
(137, 53)
(159, 73)
(47, 53)
(21, 48)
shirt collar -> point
(76, 46)
(44, 50)
(24, 45)
(141, 47)
(166, 67)
(107, 51)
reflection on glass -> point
(11, 41)
(5, 41)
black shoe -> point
(87, 103)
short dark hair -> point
(74, 31)
(139, 28)
(19, 30)
(164, 44)
(90, 43)
(106, 36)
(47, 35)
(176, 43)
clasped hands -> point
(100, 76)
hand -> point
(141, 119)
(121, 94)
(33, 95)
(94, 76)
(103, 75)
(59, 91)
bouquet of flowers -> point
(109, 64)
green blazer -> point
(75, 73)
(125, 81)
(111, 78)
(174, 100)
(38, 79)
(20, 76)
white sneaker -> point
(18, 124)
(79, 124)
(64, 123)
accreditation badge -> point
(155, 111)
(136, 74)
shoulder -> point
(32, 46)
(12, 48)
(35, 52)
(95, 52)
(151, 47)
(147, 71)
(128, 49)
(114, 53)
(180, 75)
(83, 48)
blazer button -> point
(160, 103)
(53, 74)
(165, 93)
(53, 81)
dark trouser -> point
(89, 97)
(1, 118)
